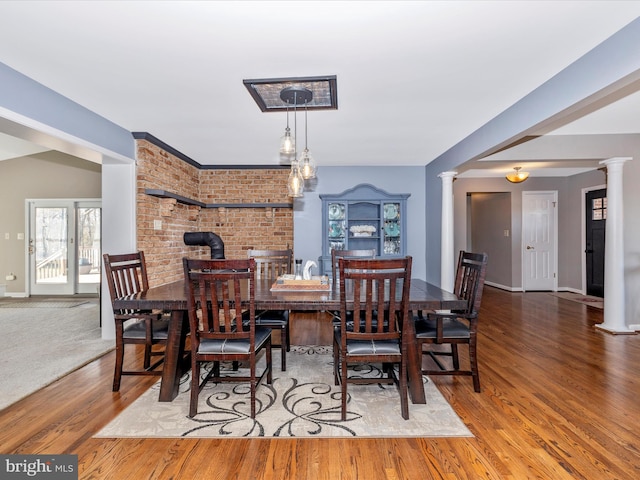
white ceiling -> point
(414, 78)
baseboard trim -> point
(503, 287)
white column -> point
(447, 258)
(614, 301)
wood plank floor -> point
(560, 400)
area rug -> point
(40, 345)
(589, 300)
(301, 402)
(47, 304)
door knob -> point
(529, 247)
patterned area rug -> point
(301, 402)
(595, 302)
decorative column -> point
(447, 274)
(614, 301)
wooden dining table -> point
(172, 298)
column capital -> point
(614, 160)
(449, 174)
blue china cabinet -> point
(363, 217)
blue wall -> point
(308, 210)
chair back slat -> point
(357, 254)
(214, 298)
(270, 264)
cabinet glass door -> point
(336, 213)
(392, 244)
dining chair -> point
(214, 300)
(126, 276)
(270, 264)
(382, 286)
(455, 327)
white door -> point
(539, 240)
(64, 247)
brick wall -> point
(239, 228)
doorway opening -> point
(64, 246)
(595, 220)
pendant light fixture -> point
(518, 176)
(295, 95)
(287, 142)
(280, 94)
(306, 163)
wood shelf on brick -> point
(188, 201)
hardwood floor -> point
(559, 400)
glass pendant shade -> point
(307, 165)
(287, 143)
(295, 182)
(518, 176)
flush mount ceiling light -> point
(282, 94)
(517, 176)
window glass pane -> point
(51, 245)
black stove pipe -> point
(208, 239)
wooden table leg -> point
(173, 358)
(414, 364)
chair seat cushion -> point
(370, 347)
(451, 328)
(137, 329)
(208, 345)
(276, 318)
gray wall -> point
(45, 175)
(489, 216)
(570, 224)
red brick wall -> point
(239, 228)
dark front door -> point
(596, 210)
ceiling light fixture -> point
(287, 142)
(306, 163)
(279, 94)
(518, 176)
(295, 95)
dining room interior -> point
(365, 164)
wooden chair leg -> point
(195, 389)
(288, 337)
(474, 368)
(117, 374)
(454, 356)
(147, 356)
(343, 373)
(284, 347)
(253, 383)
(402, 385)
(336, 363)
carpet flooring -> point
(301, 402)
(40, 345)
(48, 304)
